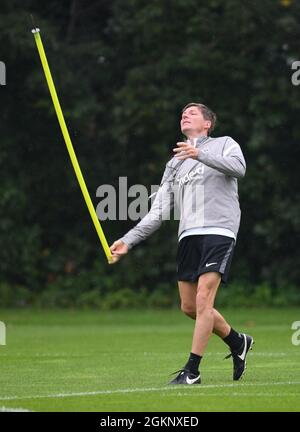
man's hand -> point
(185, 151)
(118, 249)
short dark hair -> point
(207, 113)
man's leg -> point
(221, 326)
(239, 343)
(208, 284)
(205, 294)
(188, 292)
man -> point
(202, 179)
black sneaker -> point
(186, 377)
(239, 356)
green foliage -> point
(242, 294)
(123, 71)
(79, 292)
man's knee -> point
(204, 297)
(202, 302)
(188, 309)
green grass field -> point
(121, 361)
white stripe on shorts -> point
(225, 259)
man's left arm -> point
(231, 162)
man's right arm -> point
(160, 210)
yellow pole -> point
(68, 142)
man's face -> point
(192, 122)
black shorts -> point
(198, 254)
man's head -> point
(197, 119)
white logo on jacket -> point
(190, 175)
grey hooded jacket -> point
(204, 191)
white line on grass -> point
(6, 409)
(148, 353)
(145, 390)
(274, 395)
(215, 354)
